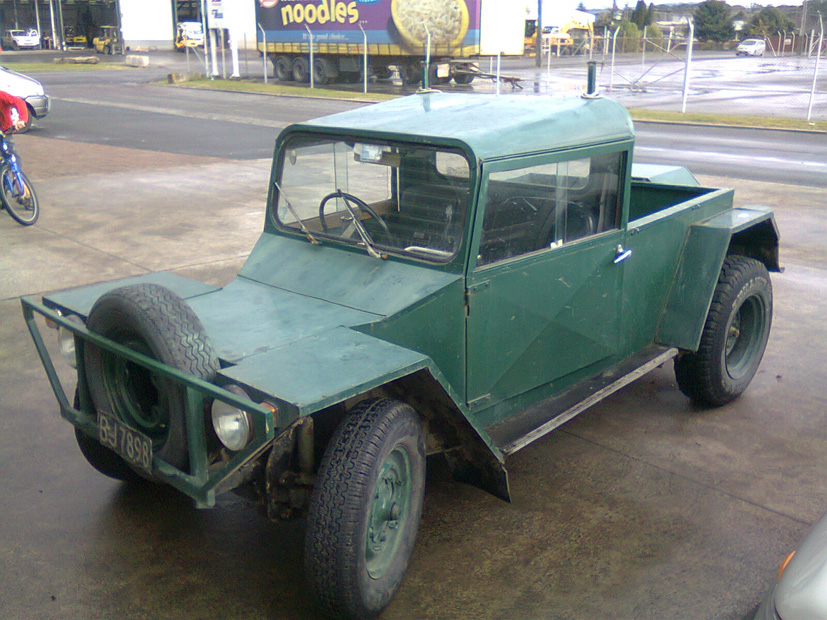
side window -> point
(549, 205)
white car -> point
(29, 90)
(21, 39)
(801, 591)
(751, 47)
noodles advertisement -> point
(403, 26)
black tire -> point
(21, 203)
(155, 321)
(383, 73)
(103, 459)
(369, 488)
(410, 74)
(301, 69)
(321, 71)
(29, 121)
(463, 78)
(283, 68)
(734, 336)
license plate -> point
(134, 447)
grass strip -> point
(728, 120)
(281, 89)
(40, 67)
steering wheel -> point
(363, 206)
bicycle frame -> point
(9, 157)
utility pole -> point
(538, 43)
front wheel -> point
(734, 336)
(365, 509)
(19, 198)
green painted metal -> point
(389, 511)
(307, 326)
(201, 481)
(697, 274)
(663, 174)
(80, 300)
(488, 126)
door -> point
(544, 298)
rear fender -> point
(749, 231)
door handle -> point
(621, 254)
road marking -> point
(739, 156)
(173, 112)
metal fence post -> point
(312, 68)
(689, 42)
(365, 64)
(815, 70)
(264, 52)
(614, 47)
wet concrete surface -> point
(642, 507)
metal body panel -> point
(349, 278)
(80, 300)
(657, 244)
(320, 370)
(525, 125)
(663, 174)
(697, 275)
(247, 318)
(538, 318)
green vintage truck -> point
(441, 273)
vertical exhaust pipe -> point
(591, 81)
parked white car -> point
(21, 39)
(29, 90)
(751, 47)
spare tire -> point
(152, 320)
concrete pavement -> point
(641, 508)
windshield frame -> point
(434, 257)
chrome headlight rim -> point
(233, 426)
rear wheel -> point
(19, 198)
(734, 336)
(301, 69)
(365, 509)
(283, 68)
(411, 74)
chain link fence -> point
(789, 80)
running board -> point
(519, 431)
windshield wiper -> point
(370, 246)
(304, 229)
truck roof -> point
(489, 125)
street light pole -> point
(538, 35)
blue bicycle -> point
(16, 191)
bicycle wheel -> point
(21, 202)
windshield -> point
(388, 197)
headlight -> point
(232, 425)
(66, 342)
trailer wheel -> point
(365, 509)
(154, 321)
(322, 71)
(410, 74)
(734, 336)
(283, 68)
(301, 69)
(463, 78)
